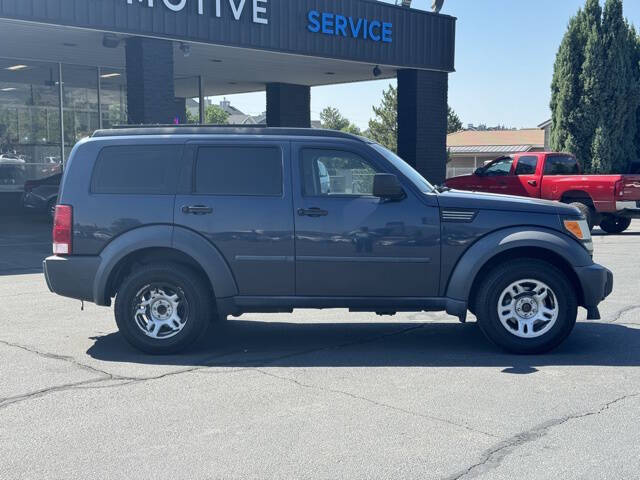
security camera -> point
(376, 71)
(185, 48)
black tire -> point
(196, 303)
(501, 278)
(585, 210)
(613, 224)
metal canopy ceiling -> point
(225, 70)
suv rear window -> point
(561, 165)
(239, 171)
(137, 169)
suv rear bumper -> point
(72, 277)
(597, 284)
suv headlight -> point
(579, 229)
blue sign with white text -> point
(359, 28)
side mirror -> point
(386, 185)
(479, 172)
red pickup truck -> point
(610, 201)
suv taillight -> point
(62, 230)
(619, 189)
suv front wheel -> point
(163, 309)
(526, 306)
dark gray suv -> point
(185, 226)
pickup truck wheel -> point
(585, 210)
(526, 306)
(613, 224)
(163, 309)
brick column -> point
(150, 87)
(422, 122)
(288, 105)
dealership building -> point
(69, 67)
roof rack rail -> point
(135, 130)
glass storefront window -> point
(187, 93)
(29, 122)
(113, 97)
(80, 102)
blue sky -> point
(505, 51)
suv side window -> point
(336, 173)
(527, 165)
(499, 168)
(137, 170)
(250, 171)
(561, 165)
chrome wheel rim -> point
(528, 308)
(160, 311)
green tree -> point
(454, 124)
(332, 119)
(383, 128)
(595, 89)
(618, 100)
(214, 115)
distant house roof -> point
(495, 141)
(491, 149)
(545, 124)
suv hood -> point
(492, 201)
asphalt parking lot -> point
(313, 394)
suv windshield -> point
(406, 169)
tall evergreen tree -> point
(566, 88)
(618, 103)
(596, 89)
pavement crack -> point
(373, 402)
(5, 402)
(122, 381)
(62, 358)
(494, 457)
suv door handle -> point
(533, 183)
(312, 212)
(197, 210)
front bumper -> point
(71, 277)
(597, 284)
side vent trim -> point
(457, 215)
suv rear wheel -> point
(526, 306)
(163, 309)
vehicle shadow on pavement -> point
(252, 343)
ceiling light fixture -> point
(8, 89)
(110, 75)
(15, 68)
(186, 49)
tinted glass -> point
(139, 169)
(561, 165)
(527, 165)
(239, 171)
(499, 168)
(336, 172)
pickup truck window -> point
(561, 165)
(527, 165)
(336, 172)
(239, 171)
(499, 168)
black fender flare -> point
(164, 236)
(495, 243)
